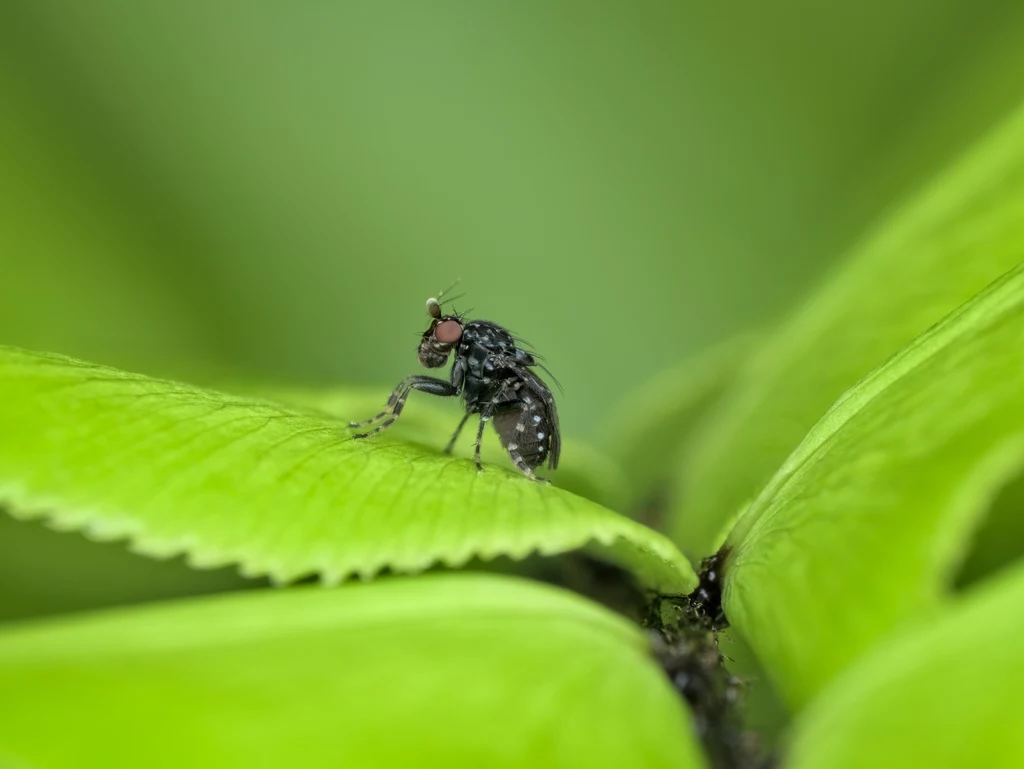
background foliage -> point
(235, 192)
(276, 189)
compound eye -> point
(448, 331)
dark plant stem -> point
(684, 637)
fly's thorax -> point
(488, 337)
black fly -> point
(494, 377)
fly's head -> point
(440, 338)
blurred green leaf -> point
(999, 541)
(945, 695)
(226, 479)
(864, 526)
(442, 670)
(83, 270)
(302, 169)
(959, 235)
(48, 572)
(646, 431)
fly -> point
(496, 380)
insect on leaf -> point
(230, 479)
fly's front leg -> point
(399, 392)
(398, 397)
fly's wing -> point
(556, 433)
(536, 388)
(526, 415)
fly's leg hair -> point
(396, 402)
(455, 436)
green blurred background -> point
(271, 190)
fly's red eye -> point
(448, 331)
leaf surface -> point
(943, 695)
(955, 238)
(863, 528)
(584, 469)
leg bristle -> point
(381, 415)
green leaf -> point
(957, 237)
(451, 670)
(646, 431)
(229, 479)
(943, 695)
(584, 469)
(864, 526)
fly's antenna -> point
(434, 303)
(453, 285)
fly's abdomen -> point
(525, 434)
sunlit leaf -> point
(864, 526)
(953, 240)
(449, 670)
(228, 479)
(584, 470)
(944, 696)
